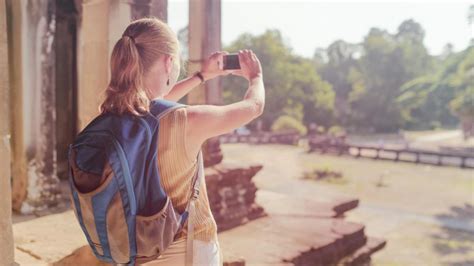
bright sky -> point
(308, 24)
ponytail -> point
(142, 43)
(125, 92)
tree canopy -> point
(293, 87)
(385, 83)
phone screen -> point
(231, 61)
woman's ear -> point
(168, 64)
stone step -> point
(296, 231)
(328, 207)
(362, 255)
(232, 194)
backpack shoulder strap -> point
(169, 110)
(190, 208)
(161, 107)
(198, 176)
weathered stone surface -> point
(362, 254)
(83, 256)
(232, 194)
(293, 233)
(66, 77)
(230, 260)
(213, 150)
(96, 38)
(6, 236)
(35, 183)
(145, 8)
(297, 235)
(49, 238)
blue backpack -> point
(116, 192)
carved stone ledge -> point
(232, 194)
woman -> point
(145, 65)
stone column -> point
(35, 184)
(159, 9)
(100, 25)
(144, 8)
(18, 168)
(66, 81)
(204, 39)
(6, 237)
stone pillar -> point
(100, 25)
(145, 8)
(6, 237)
(18, 157)
(35, 184)
(204, 39)
(66, 81)
(159, 9)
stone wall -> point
(32, 28)
(232, 194)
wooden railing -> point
(261, 138)
(339, 146)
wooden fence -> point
(339, 146)
(261, 138)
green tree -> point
(342, 61)
(444, 97)
(461, 81)
(292, 85)
(388, 62)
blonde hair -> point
(142, 43)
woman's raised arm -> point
(206, 121)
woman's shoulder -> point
(175, 118)
(174, 132)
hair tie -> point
(133, 40)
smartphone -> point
(231, 61)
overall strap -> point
(160, 107)
(190, 207)
(168, 110)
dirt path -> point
(436, 137)
(425, 212)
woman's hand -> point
(212, 67)
(250, 67)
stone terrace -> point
(294, 232)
